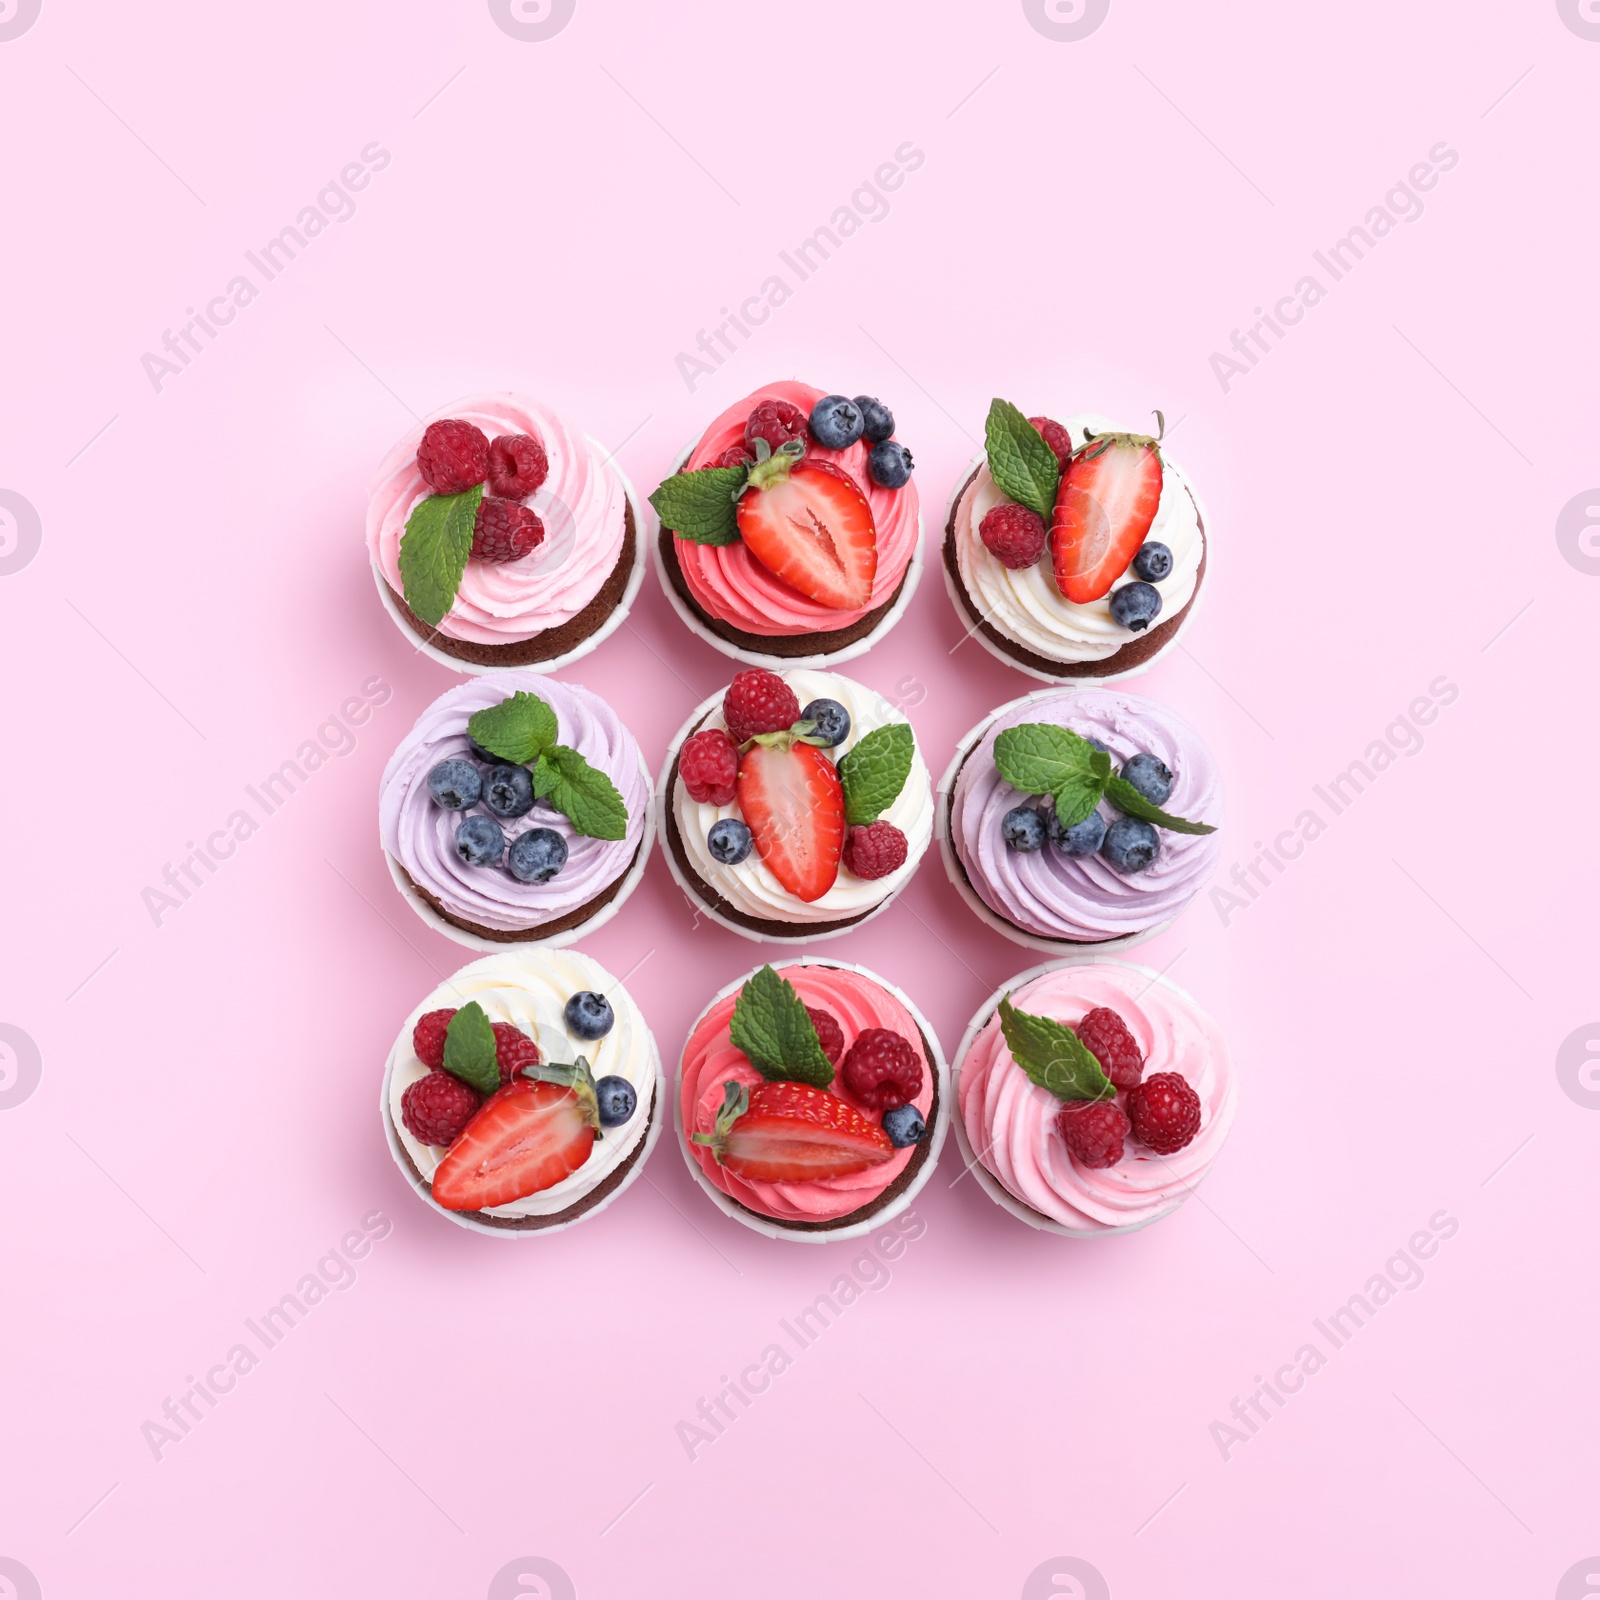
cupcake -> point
(811, 1101)
(524, 1093)
(791, 531)
(502, 537)
(516, 810)
(1077, 817)
(1074, 551)
(1092, 1097)
(795, 805)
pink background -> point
(1092, 221)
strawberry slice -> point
(527, 1137)
(793, 1133)
(1104, 507)
(807, 523)
(793, 803)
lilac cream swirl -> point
(1084, 899)
(421, 835)
(581, 504)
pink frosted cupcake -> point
(739, 553)
(1092, 1097)
(501, 536)
(811, 1101)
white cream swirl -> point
(530, 989)
(750, 886)
(1026, 605)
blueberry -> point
(1024, 829)
(455, 785)
(508, 791)
(1131, 845)
(589, 1015)
(537, 856)
(877, 419)
(1082, 838)
(890, 464)
(728, 841)
(616, 1100)
(479, 841)
(1153, 562)
(1097, 745)
(835, 422)
(1135, 606)
(832, 720)
(904, 1125)
(1150, 775)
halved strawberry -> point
(793, 1133)
(807, 523)
(527, 1137)
(793, 803)
(1104, 507)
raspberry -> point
(829, 1034)
(427, 1038)
(437, 1109)
(777, 422)
(1056, 437)
(758, 701)
(517, 466)
(708, 763)
(1013, 535)
(735, 456)
(513, 1050)
(1165, 1112)
(1093, 1131)
(1113, 1046)
(452, 456)
(882, 1070)
(505, 531)
(874, 850)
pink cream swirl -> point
(710, 1060)
(730, 584)
(581, 504)
(1011, 1122)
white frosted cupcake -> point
(502, 536)
(524, 1093)
(1073, 550)
(795, 805)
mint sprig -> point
(469, 1052)
(1053, 1056)
(584, 795)
(434, 550)
(771, 1026)
(1126, 798)
(874, 770)
(517, 730)
(699, 506)
(1022, 465)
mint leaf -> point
(584, 795)
(469, 1049)
(1125, 797)
(434, 550)
(698, 506)
(1039, 758)
(874, 770)
(1022, 465)
(1077, 796)
(517, 729)
(771, 1026)
(1053, 1056)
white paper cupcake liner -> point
(1064, 680)
(663, 805)
(1063, 948)
(555, 941)
(987, 1181)
(757, 658)
(643, 534)
(771, 1227)
(475, 1224)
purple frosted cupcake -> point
(1080, 817)
(516, 810)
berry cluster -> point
(455, 456)
(505, 791)
(1129, 844)
(836, 422)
